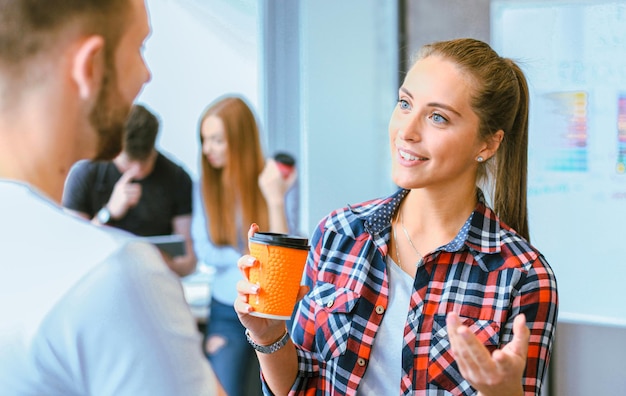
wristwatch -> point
(268, 348)
(103, 215)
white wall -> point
(198, 50)
(349, 68)
(574, 56)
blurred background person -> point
(140, 191)
(85, 310)
(237, 186)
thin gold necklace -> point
(406, 233)
(395, 240)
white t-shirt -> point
(88, 310)
(384, 370)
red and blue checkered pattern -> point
(488, 275)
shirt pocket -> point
(333, 309)
(442, 368)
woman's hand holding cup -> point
(264, 329)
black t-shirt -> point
(165, 194)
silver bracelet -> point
(268, 348)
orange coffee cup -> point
(281, 260)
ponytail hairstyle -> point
(501, 102)
(231, 195)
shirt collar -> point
(377, 217)
(480, 233)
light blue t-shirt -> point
(89, 310)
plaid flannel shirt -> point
(488, 276)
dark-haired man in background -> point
(140, 191)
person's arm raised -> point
(274, 188)
(125, 195)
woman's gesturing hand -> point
(499, 373)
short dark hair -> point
(141, 131)
(30, 27)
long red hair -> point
(232, 194)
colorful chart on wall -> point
(574, 55)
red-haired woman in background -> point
(237, 186)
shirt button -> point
(380, 309)
(330, 303)
(360, 362)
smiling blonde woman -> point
(431, 290)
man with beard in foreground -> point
(83, 310)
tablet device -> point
(172, 245)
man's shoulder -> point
(172, 165)
(59, 252)
(85, 167)
(53, 251)
(80, 301)
(38, 228)
(91, 173)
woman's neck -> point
(433, 219)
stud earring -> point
(480, 159)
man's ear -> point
(88, 66)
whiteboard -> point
(574, 55)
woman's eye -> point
(404, 105)
(438, 118)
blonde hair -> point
(501, 101)
(232, 193)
